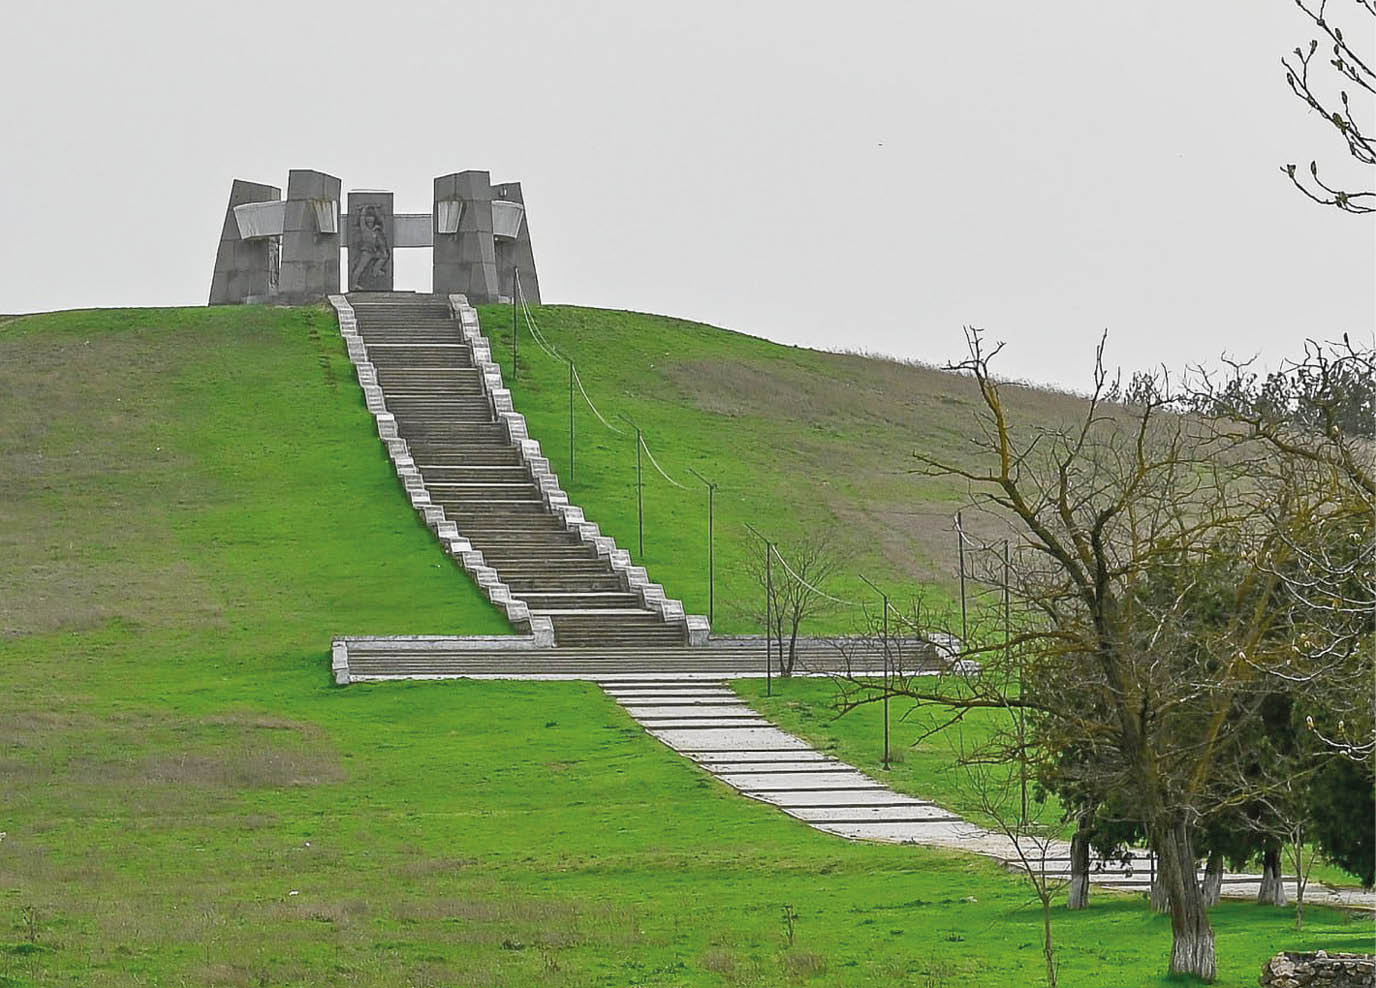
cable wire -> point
(579, 381)
(817, 590)
(655, 464)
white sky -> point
(870, 175)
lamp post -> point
(711, 560)
(515, 321)
(768, 603)
(1022, 714)
(639, 489)
(884, 597)
(571, 374)
(960, 552)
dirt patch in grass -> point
(251, 765)
(236, 750)
(88, 484)
(434, 867)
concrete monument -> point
(286, 251)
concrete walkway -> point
(706, 721)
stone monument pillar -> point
(310, 237)
(514, 254)
(465, 258)
(243, 268)
(372, 238)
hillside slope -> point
(191, 503)
(171, 470)
(795, 438)
(184, 445)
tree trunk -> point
(1079, 871)
(792, 650)
(1212, 889)
(1048, 946)
(1160, 897)
(1300, 882)
(1192, 938)
(1272, 891)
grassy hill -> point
(795, 439)
(193, 501)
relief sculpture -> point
(372, 254)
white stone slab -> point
(712, 758)
(688, 710)
(729, 739)
(789, 780)
(649, 698)
(871, 814)
(682, 723)
(799, 768)
(946, 833)
(842, 797)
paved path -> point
(703, 719)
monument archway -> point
(288, 250)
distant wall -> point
(1319, 970)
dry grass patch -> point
(237, 750)
(435, 867)
(75, 442)
(244, 766)
(804, 963)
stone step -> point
(547, 583)
(476, 476)
(537, 531)
(433, 409)
(474, 473)
(457, 433)
(550, 601)
(480, 491)
(539, 575)
(453, 455)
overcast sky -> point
(864, 175)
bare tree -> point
(1032, 841)
(1354, 76)
(1147, 628)
(1310, 429)
(792, 576)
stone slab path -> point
(705, 720)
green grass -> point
(191, 503)
(926, 753)
(794, 438)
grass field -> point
(191, 503)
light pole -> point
(639, 488)
(711, 556)
(515, 322)
(1022, 713)
(960, 552)
(768, 602)
(571, 373)
(885, 598)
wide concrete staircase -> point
(474, 471)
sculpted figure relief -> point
(374, 254)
